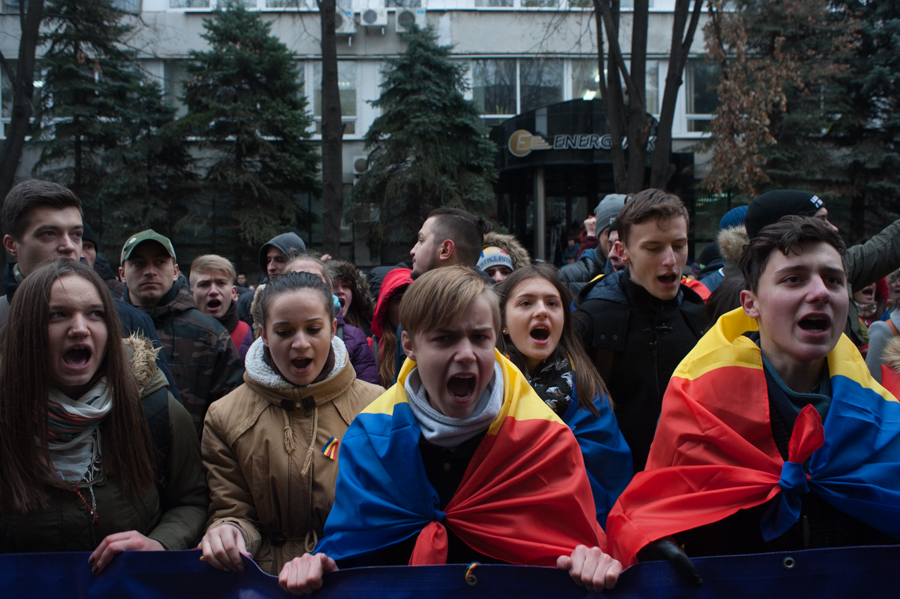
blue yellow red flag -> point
(713, 453)
(383, 495)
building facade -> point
(522, 55)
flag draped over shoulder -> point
(524, 498)
(714, 454)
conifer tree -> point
(427, 149)
(87, 101)
(246, 105)
(149, 180)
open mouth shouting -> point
(213, 305)
(78, 358)
(815, 323)
(301, 365)
(540, 333)
(462, 386)
(668, 279)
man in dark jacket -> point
(273, 257)
(43, 222)
(594, 262)
(637, 324)
(199, 350)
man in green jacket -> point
(201, 355)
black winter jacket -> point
(636, 342)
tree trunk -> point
(662, 170)
(607, 18)
(23, 95)
(332, 134)
(638, 122)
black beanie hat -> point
(772, 205)
(89, 235)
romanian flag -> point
(330, 449)
(713, 453)
(524, 499)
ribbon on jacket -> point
(713, 453)
(524, 498)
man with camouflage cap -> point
(201, 355)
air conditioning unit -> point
(373, 17)
(344, 24)
(360, 164)
(406, 16)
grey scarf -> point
(445, 431)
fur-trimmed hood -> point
(142, 355)
(362, 303)
(511, 246)
(732, 242)
(890, 355)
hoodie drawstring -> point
(288, 433)
(312, 442)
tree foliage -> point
(88, 104)
(246, 106)
(428, 148)
(809, 99)
(22, 86)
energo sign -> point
(522, 143)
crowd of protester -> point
(472, 406)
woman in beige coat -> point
(270, 447)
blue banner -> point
(852, 572)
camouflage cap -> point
(148, 235)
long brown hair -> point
(588, 382)
(128, 451)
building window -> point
(651, 79)
(10, 6)
(6, 98)
(539, 3)
(403, 3)
(175, 76)
(299, 4)
(701, 99)
(540, 82)
(585, 79)
(189, 3)
(129, 6)
(347, 86)
(493, 3)
(494, 89)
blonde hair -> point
(211, 263)
(310, 258)
(441, 296)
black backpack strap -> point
(156, 411)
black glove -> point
(667, 549)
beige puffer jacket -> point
(262, 448)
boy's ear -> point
(10, 245)
(749, 304)
(408, 347)
(619, 248)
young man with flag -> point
(460, 461)
(773, 435)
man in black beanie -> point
(769, 207)
(866, 262)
